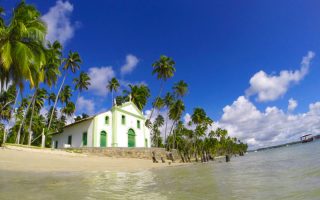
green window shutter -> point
(84, 139)
(123, 119)
(106, 120)
(138, 123)
(70, 139)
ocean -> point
(291, 172)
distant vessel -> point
(306, 138)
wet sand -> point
(45, 160)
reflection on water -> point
(286, 173)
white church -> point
(122, 126)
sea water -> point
(291, 172)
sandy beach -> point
(45, 160)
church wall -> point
(100, 125)
(76, 131)
(130, 123)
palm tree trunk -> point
(24, 118)
(161, 88)
(195, 150)
(112, 102)
(56, 101)
(171, 130)
(31, 117)
(165, 129)
(157, 140)
(5, 105)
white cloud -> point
(187, 118)
(271, 87)
(272, 126)
(131, 63)
(292, 104)
(85, 105)
(58, 22)
(99, 79)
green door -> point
(131, 138)
(84, 139)
(103, 139)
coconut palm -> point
(168, 101)
(175, 112)
(82, 83)
(158, 103)
(180, 89)
(38, 102)
(53, 61)
(139, 95)
(113, 86)
(71, 63)
(65, 94)
(198, 116)
(164, 69)
(69, 109)
(7, 100)
(51, 98)
(158, 123)
(22, 51)
(50, 73)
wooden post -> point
(4, 136)
(227, 158)
(43, 139)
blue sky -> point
(218, 47)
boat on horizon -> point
(306, 138)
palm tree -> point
(198, 118)
(51, 98)
(69, 109)
(159, 121)
(53, 61)
(38, 102)
(158, 103)
(164, 68)
(180, 89)
(168, 101)
(73, 63)
(82, 82)
(175, 112)
(50, 73)
(139, 95)
(113, 86)
(65, 94)
(7, 100)
(22, 53)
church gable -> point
(131, 108)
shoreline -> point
(23, 159)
